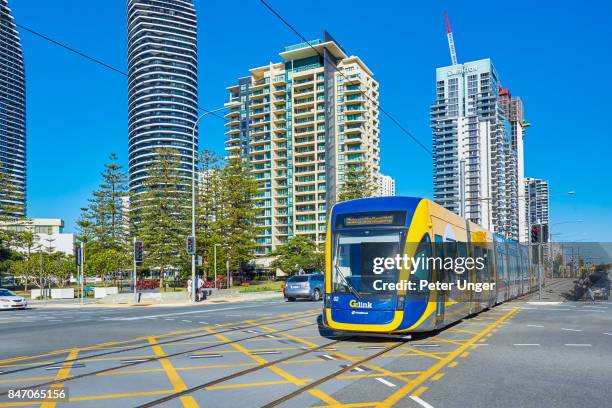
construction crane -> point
(451, 42)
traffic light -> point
(191, 245)
(77, 255)
(535, 234)
(138, 252)
(544, 237)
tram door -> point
(441, 277)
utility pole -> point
(215, 264)
(229, 276)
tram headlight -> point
(401, 300)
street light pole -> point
(194, 283)
(215, 263)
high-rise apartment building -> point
(12, 118)
(300, 124)
(162, 84)
(537, 203)
(477, 145)
(386, 186)
(515, 167)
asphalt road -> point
(250, 354)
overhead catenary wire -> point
(375, 102)
(82, 54)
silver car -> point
(9, 300)
(304, 286)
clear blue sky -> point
(549, 53)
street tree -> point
(209, 207)
(103, 224)
(298, 253)
(161, 214)
(358, 183)
(237, 225)
(12, 214)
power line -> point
(375, 102)
(82, 54)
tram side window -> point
(439, 253)
(462, 253)
(479, 272)
(489, 265)
(423, 251)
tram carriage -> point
(360, 230)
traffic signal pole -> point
(134, 272)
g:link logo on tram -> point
(359, 305)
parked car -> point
(9, 300)
(601, 289)
(305, 287)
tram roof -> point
(395, 203)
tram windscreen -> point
(353, 260)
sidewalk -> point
(555, 290)
(96, 303)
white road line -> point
(135, 360)
(420, 402)
(526, 344)
(205, 356)
(574, 330)
(203, 322)
(387, 383)
(186, 313)
(578, 345)
(535, 325)
(186, 321)
(609, 334)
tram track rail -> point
(288, 396)
(229, 377)
(156, 358)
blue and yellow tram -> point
(359, 298)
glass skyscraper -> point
(478, 130)
(12, 118)
(162, 84)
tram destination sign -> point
(371, 219)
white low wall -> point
(100, 293)
(37, 293)
(56, 293)
(62, 293)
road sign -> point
(138, 252)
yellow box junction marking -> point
(175, 379)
